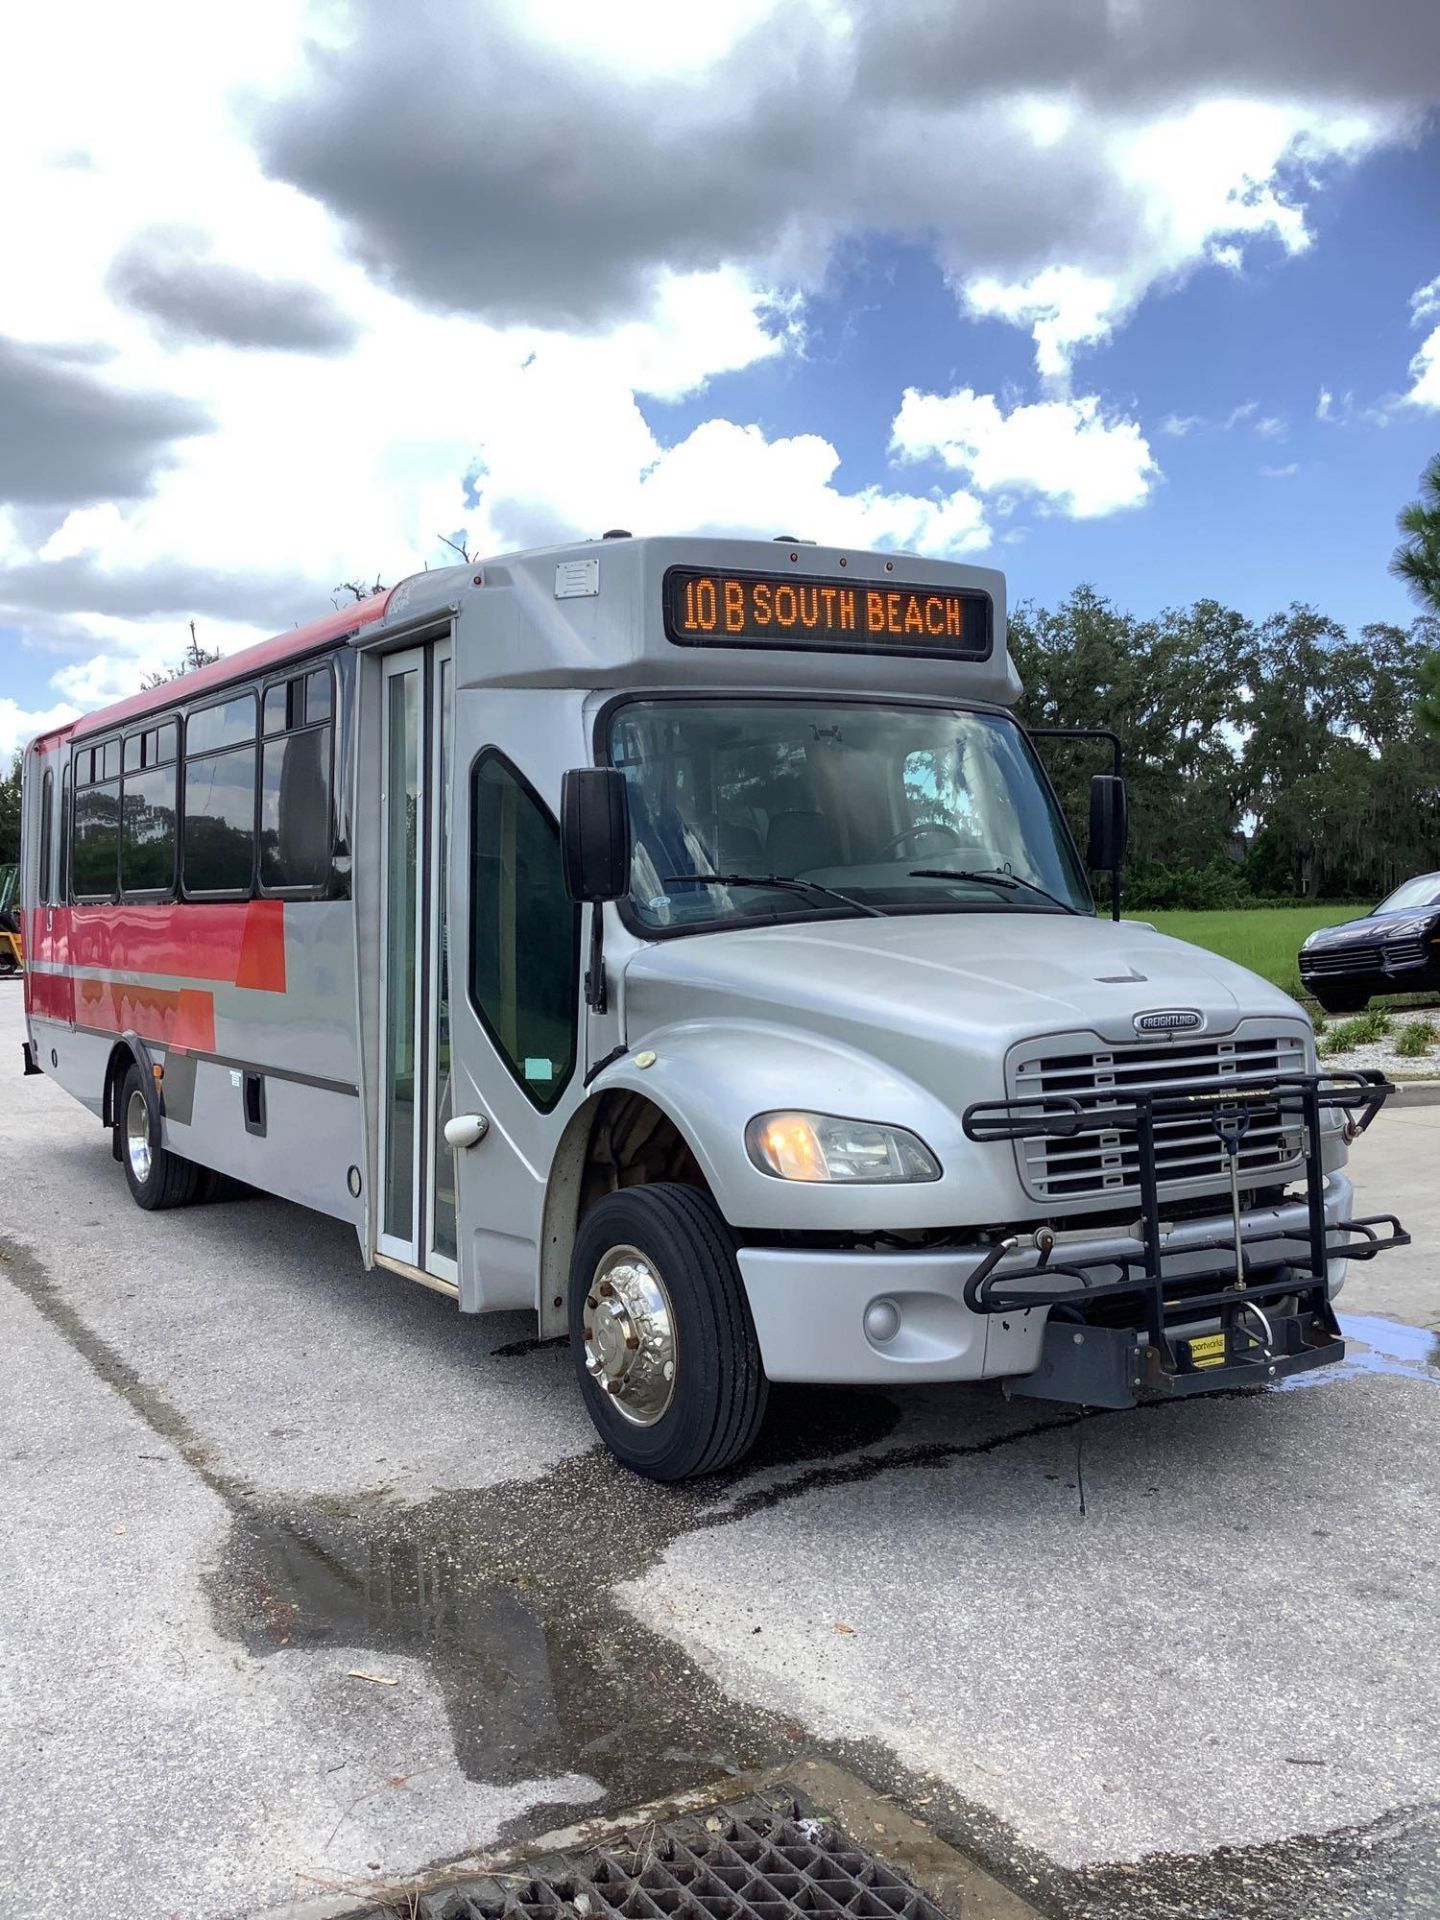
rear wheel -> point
(1343, 999)
(661, 1334)
(156, 1177)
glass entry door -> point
(417, 1178)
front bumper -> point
(809, 1306)
(1190, 1306)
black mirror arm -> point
(1117, 753)
(596, 997)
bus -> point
(681, 939)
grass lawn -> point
(1265, 939)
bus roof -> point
(234, 666)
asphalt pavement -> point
(310, 1583)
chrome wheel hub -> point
(137, 1135)
(629, 1328)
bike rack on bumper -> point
(1109, 1366)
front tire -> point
(156, 1177)
(1343, 1000)
(661, 1334)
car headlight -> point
(1309, 940)
(822, 1146)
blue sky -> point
(1052, 285)
(1276, 333)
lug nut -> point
(606, 1290)
(632, 1341)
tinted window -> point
(47, 808)
(166, 738)
(277, 707)
(111, 752)
(295, 810)
(225, 725)
(523, 929)
(147, 831)
(219, 831)
(134, 746)
(93, 861)
(318, 697)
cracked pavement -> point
(311, 1583)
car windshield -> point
(879, 808)
(1423, 891)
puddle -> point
(506, 1594)
(1375, 1345)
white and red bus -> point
(680, 938)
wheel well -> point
(618, 1139)
(122, 1057)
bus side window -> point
(296, 844)
(47, 811)
(147, 813)
(217, 838)
(524, 930)
(95, 816)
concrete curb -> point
(1417, 1093)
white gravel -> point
(1382, 1053)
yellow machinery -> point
(12, 954)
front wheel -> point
(156, 1177)
(661, 1334)
(1342, 1000)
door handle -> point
(466, 1130)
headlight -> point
(820, 1146)
(1309, 940)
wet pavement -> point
(312, 1584)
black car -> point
(1395, 949)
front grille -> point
(1187, 1148)
(1405, 953)
(1342, 960)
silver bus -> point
(680, 939)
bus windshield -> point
(855, 806)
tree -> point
(10, 814)
(193, 657)
(1416, 560)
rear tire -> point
(654, 1279)
(156, 1177)
(1341, 1000)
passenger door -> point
(515, 993)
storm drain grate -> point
(757, 1860)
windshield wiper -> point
(996, 879)
(781, 880)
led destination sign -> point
(715, 609)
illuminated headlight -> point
(819, 1146)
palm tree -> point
(1416, 561)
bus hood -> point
(978, 980)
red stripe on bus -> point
(240, 943)
(47, 995)
(178, 1017)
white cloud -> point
(1425, 366)
(19, 724)
(1178, 425)
(1280, 473)
(1201, 185)
(698, 175)
(1069, 453)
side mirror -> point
(595, 833)
(1109, 823)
